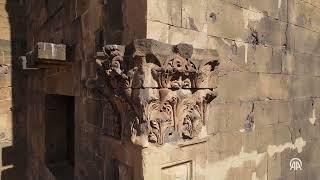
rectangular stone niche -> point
(182, 171)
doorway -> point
(59, 135)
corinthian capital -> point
(155, 93)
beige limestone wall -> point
(267, 110)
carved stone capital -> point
(155, 93)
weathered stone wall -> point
(267, 110)
(12, 124)
(84, 26)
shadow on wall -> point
(13, 139)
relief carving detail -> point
(160, 91)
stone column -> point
(155, 109)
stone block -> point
(261, 169)
(315, 117)
(158, 11)
(6, 58)
(302, 109)
(175, 12)
(309, 155)
(246, 85)
(50, 51)
(229, 143)
(273, 8)
(301, 86)
(269, 32)
(60, 83)
(303, 128)
(271, 113)
(316, 86)
(227, 117)
(5, 33)
(6, 45)
(5, 93)
(249, 141)
(304, 40)
(240, 56)
(283, 134)
(265, 113)
(181, 35)
(5, 76)
(6, 127)
(226, 20)
(305, 116)
(263, 59)
(243, 172)
(274, 166)
(265, 137)
(214, 147)
(274, 86)
(285, 112)
(3, 11)
(231, 54)
(157, 31)
(135, 13)
(193, 16)
(5, 22)
(244, 25)
(167, 11)
(313, 172)
(300, 64)
(304, 14)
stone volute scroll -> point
(155, 93)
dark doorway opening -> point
(59, 135)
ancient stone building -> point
(160, 89)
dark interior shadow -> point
(14, 152)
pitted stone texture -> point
(252, 27)
(240, 56)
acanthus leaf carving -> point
(173, 110)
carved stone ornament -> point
(155, 93)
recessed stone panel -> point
(182, 171)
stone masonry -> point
(12, 122)
(161, 90)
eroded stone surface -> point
(164, 89)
